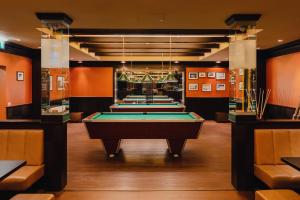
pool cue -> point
(258, 103)
(266, 101)
(261, 102)
(249, 97)
(296, 114)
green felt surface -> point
(144, 99)
(142, 116)
(148, 105)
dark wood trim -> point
(16, 49)
(36, 84)
(278, 112)
(284, 49)
(19, 112)
(207, 107)
(242, 19)
(261, 72)
(90, 105)
(56, 16)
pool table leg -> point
(176, 146)
(112, 146)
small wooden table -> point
(292, 161)
(7, 167)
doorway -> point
(2, 92)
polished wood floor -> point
(144, 169)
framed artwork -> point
(241, 85)
(20, 76)
(206, 87)
(193, 75)
(241, 72)
(220, 87)
(211, 74)
(193, 86)
(202, 74)
(60, 83)
(50, 83)
(220, 75)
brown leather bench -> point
(276, 195)
(22, 145)
(33, 197)
(270, 146)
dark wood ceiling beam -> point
(76, 31)
(166, 51)
(94, 46)
(108, 40)
(151, 54)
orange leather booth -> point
(270, 146)
(22, 145)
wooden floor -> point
(144, 169)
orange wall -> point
(17, 92)
(56, 94)
(283, 78)
(91, 81)
(213, 81)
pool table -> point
(144, 107)
(144, 96)
(143, 100)
(112, 127)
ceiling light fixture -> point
(279, 40)
(218, 62)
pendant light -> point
(123, 76)
(147, 78)
(162, 77)
(170, 78)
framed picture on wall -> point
(241, 72)
(20, 76)
(211, 74)
(202, 74)
(193, 75)
(220, 87)
(220, 75)
(50, 83)
(241, 85)
(193, 86)
(206, 87)
(60, 83)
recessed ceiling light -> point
(257, 48)
(176, 62)
(147, 43)
(39, 47)
(79, 61)
(279, 40)
(123, 62)
(218, 62)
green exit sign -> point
(2, 44)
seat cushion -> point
(23, 178)
(278, 176)
(276, 195)
(33, 197)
